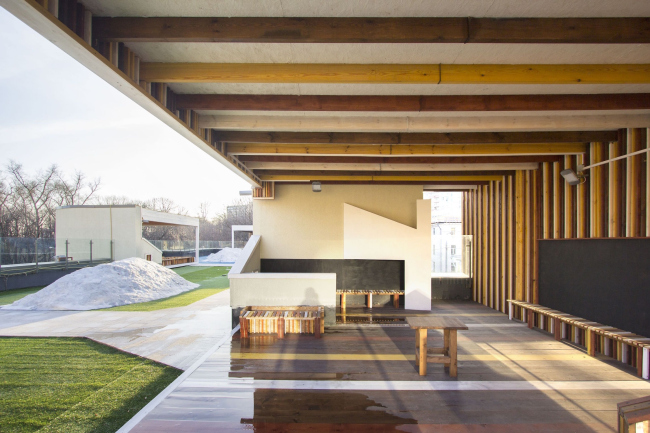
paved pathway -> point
(174, 336)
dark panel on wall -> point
(604, 280)
(350, 274)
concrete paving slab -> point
(174, 336)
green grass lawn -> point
(9, 296)
(73, 385)
(211, 281)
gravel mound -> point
(123, 282)
(227, 255)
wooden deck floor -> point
(363, 379)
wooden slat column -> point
(615, 187)
(569, 200)
(520, 233)
(633, 192)
(582, 205)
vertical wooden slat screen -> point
(508, 216)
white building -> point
(115, 232)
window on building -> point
(453, 230)
(433, 249)
(453, 267)
(453, 250)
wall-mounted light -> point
(576, 178)
(316, 187)
(572, 177)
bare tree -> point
(35, 193)
(76, 191)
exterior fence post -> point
(91, 251)
(66, 254)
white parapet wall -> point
(249, 287)
(371, 236)
(268, 290)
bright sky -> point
(55, 111)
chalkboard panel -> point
(350, 274)
(603, 280)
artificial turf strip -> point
(9, 296)
(210, 282)
(73, 385)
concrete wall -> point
(301, 224)
(371, 236)
(272, 290)
(101, 224)
(249, 259)
(146, 248)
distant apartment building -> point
(446, 232)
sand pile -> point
(227, 255)
(122, 282)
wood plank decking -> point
(364, 379)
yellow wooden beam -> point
(393, 73)
(288, 73)
(405, 150)
(310, 177)
(545, 74)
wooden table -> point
(444, 355)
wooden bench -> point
(282, 320)
(368, 294)
(625, 346)
(634, 412)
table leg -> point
(342, 302)
(423, 352)
(369, 300)
(396, 301)
(453, 365)
(446, 345)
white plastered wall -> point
(101, 224)
(301, 224)
(371, 236)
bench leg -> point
(422, 362)
(446, 342)
(281, 327)
(557, 328)
(343, 303)
(510, 310)
(317, 327)
(396, 301)
(369, 300)
(646, 363)
(531, 318)
(453, 365)
(591, 342)
(243, 327)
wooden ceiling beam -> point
(394, 73)
(310, 177)
(450, 183)
(316, 173)
(428, 103)
(406, 150)
(287, 137)
(373, 30)
(443, 123)
(248, 159)
(388, 167)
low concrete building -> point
(115, 231)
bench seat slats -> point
(592, 330)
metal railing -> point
(172, 245)
(28, 255)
